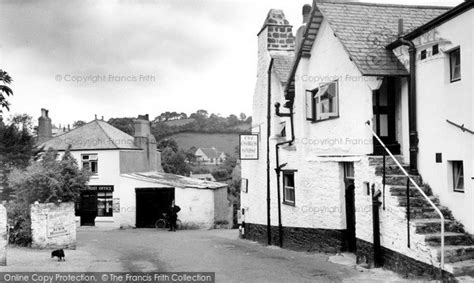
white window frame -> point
(452, 66)
(314, 103)
(457, 168)
(95, 158)
(287, 189)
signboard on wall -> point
(248, 147)
(100, 188)
(56, 224)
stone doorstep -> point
(450, 238)
(461, 268)
(455, 253)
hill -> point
(225, 142)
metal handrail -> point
(418, 188)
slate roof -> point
(95, 135)
(366, 28)
(166, 180)
(282, 65)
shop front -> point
(95, 201)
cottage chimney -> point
(300, 32)
(45, 128)
(145, 140)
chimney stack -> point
(145, 140)
(306, 13)
(45, 128)
(300, 32)
(277, 32)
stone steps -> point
(390, 170)
(378, 160)
(456, 253)
(401, 180)
(417, 201)
(461, 268)
(401, 190)
(433, 225)
(450, 238)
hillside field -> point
(223, 142)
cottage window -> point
(455, 64)
(289, 187)
(104, 204)
(323, 103)
(458, 176)
(90, 162)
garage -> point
(151, 203)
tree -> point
(23, 122)
(243, 117)
(48, 180)
(168, 143)
(16, 151)
(174, 162)
(5, 90)
(123, 124)
(78, 124)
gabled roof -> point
(171, 180)
(211, 152)
(282, 66)
(454, 12)
(364, 30)
(95, 135)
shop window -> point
(455, 64)
(323, 103)
(90, 162)
(289, 187)
(458, 176)
(104, 204)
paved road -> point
(219, 251)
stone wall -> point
(3, 236)
(300, 239)
(53, 226)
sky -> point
(121, 58)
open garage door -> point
(151, 204)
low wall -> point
(3, 236)
(53, 226)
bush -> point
(20, 224)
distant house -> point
(127, 187)
(210, 156)
(204, 177)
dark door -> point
(350, 206)
(384, 116)
(151, 204)
(88, 208)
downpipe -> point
(278, 169)
(376, 227)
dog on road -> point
(59, 254)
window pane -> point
(104, 204)
(455, 62)
(309, 105)
(383, 125)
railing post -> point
(408, 211)
(383, 180)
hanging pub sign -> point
(248, 147)
(100, 188)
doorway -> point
(88, 205)
(350, 206)
(151, 204)
(384, 116)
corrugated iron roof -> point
(171, 180)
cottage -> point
(127, 187)
(210, 156)
(359, 84)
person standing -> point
(174, 209)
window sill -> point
(289, 203)
(326, 119)
(458, 191)
(455, 80)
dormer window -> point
(323, 103)
(90, 162)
